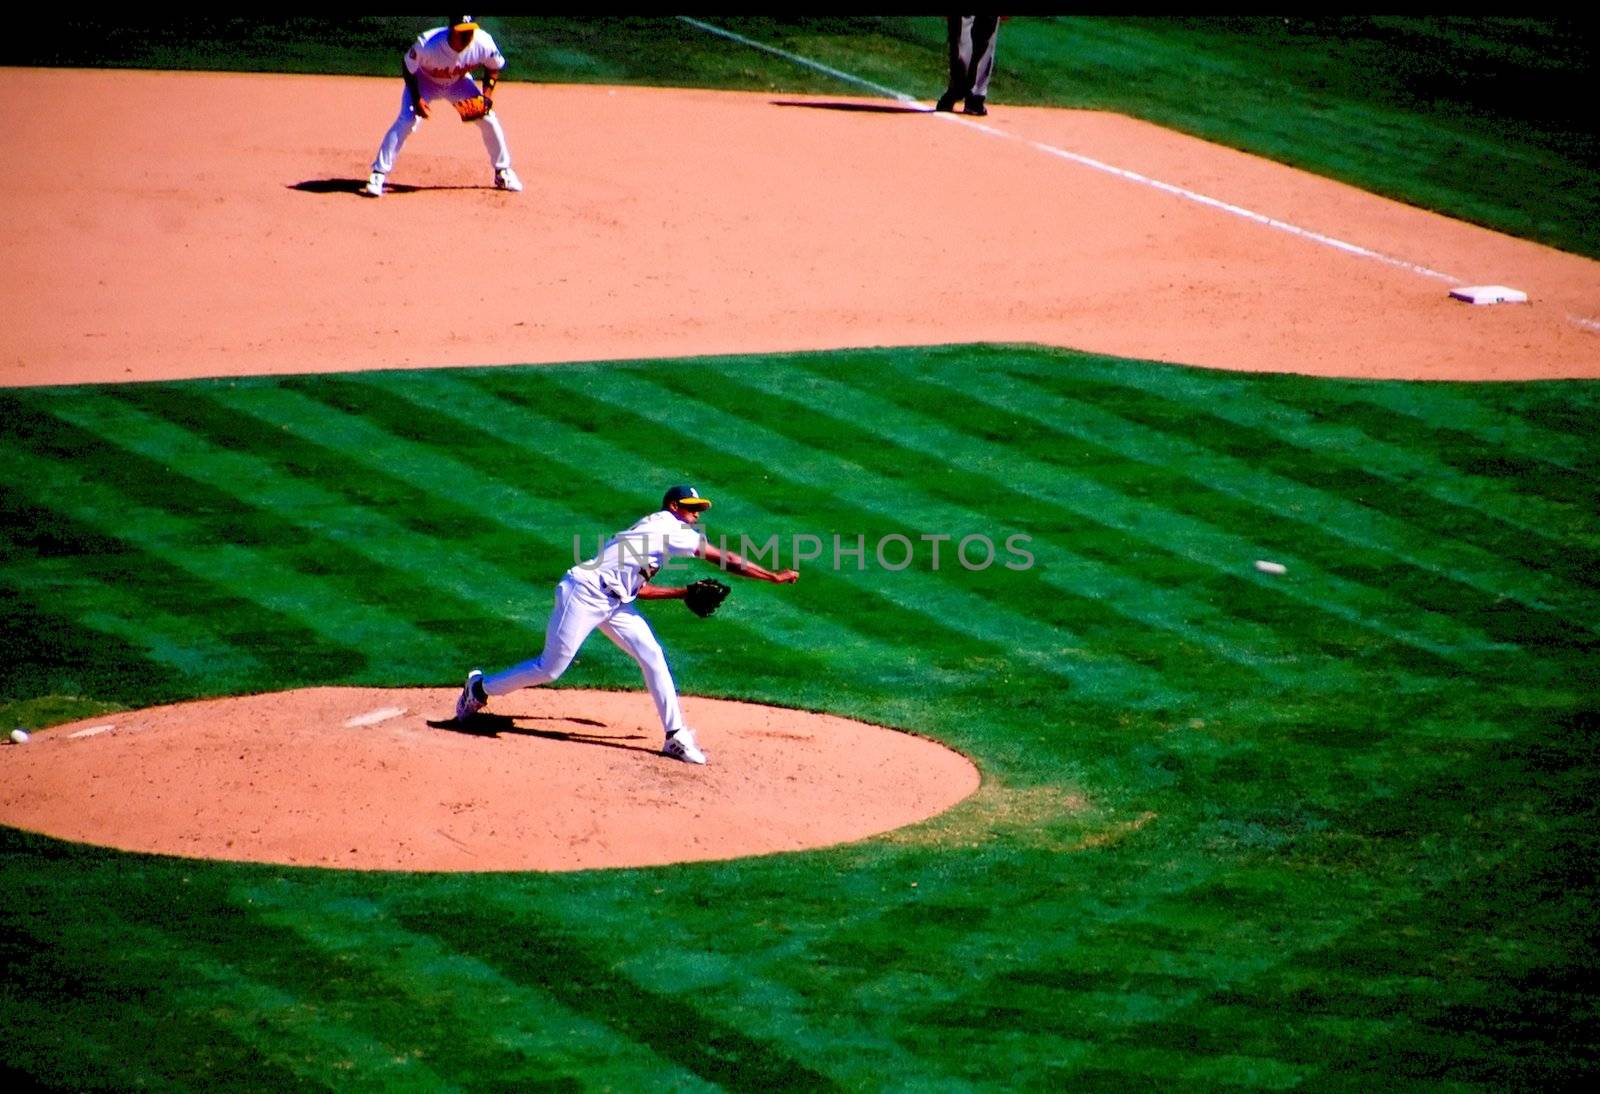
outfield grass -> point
(1487, 120)
(1333, 827)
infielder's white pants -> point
(580, 608)
(408, 122)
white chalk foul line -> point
(1120, 172)
(1085, 161)
(1241, 211)
(805, 62)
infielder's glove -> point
(474, 108)
(705, 596)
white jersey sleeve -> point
(634, 556)
(419, 49)
(489, 54)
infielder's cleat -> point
(681, 746)
(473, 698)
(374, 186)
(975, 106)
(946, 103)
(506, 179)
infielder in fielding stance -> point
(601, 593)
(437, 67)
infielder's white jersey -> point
(632, 557)
(433, 58)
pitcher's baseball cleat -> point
(374, 186)
(506, 179)
(472, 698)
(681, 746)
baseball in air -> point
(1271, 567)
(19, 736)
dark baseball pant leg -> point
(957, 29)
(972, 41)
(982, 33)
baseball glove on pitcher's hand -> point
(705, 596)
(474, 108)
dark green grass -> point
(1333, 828)
(1487, 120)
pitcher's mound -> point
(380, 779)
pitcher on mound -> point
(601, 593)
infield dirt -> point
(550, 779)
(163, 225)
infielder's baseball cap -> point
(463, 22)
(685, 497)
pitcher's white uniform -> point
(442, 73)
(600, 593)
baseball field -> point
(1192, 678)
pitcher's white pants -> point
(408, 122)
(580, 607)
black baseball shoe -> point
(472, 698)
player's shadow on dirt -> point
(493, 725)
(354, 186)
(855, 108)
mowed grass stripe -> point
(856, 492)
(858, 497)
(330, 513)
(784, 623)
(914, 638)
(1023, 991)
(304, 601)
(587, 981)
(1316, 586)
(1206, 924)
(78, 969)
(1490, 419)
(1357, 542)
(385, 405)
(490, 500)
(1319, 521)
(96, 493)
(773, 983)
(319, 585)
(1027, 490)
(1508, 427)
(1135, 1065)
(103, 586)
(1113, 526)
(518, 1030)
(50, 652)
(435, 474)
(1469, 547)
(1105, 492)
(289, 1030)
(1333, 422)
(1448, 574)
